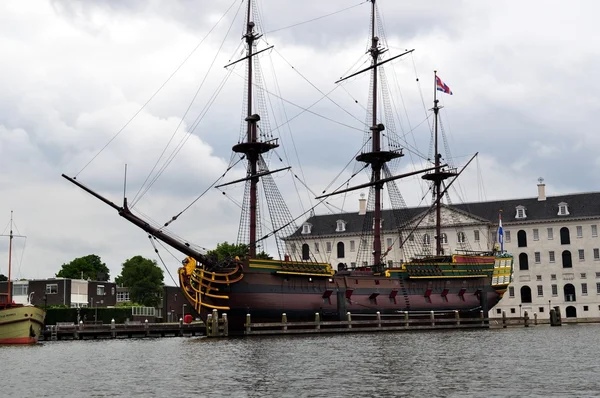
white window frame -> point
(100, 291)
(563, 209)
(551, 255)
(550, 233)
(536, 234)
(581, 253)
(426, 240)
(340, 226)
(306, 228)
(538, 257)
(476, 235)
(444, 239)
(352, 246)
(594, 231)
(520, 214)
(51, 288)
(461, 237)
(579, 230)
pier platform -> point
(83, 331)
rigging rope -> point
(182, 142)
(155, 93)
(317, 18)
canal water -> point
(538, 361)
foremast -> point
(439, 173)
(252, 148)
(376, 158)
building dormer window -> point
(521, 212)
(563, 209)
(380, 223)
(340, 226)
(306, 228)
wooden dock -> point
(83, 331)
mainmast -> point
(376, 158)
(252, 148)
(10, 239)
(438, 175)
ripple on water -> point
(537, 361)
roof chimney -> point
(541, 189)
(362, 205)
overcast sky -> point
(73, 74)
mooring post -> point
(481, 318)
(209, 325)
(558, 316)
(76, 334)
(113, 332)
(215, 323)
(504, 319)
(432, 318)
(349, 319)
(225, 325)
(406, 318)
(181, 327)
(535, 318)
(526, 319)
(378, 319)
(146, 327)
(457, 318)
(248, 330)
(284, 321)
(317, 321)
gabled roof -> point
(581, 205)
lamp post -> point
(549, 307)
(183, 311)
(520, 305)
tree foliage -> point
(144, 279)
(3, 278)
(88, 267)
(227, 251)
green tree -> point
(144, 280)
(3, 278)
(226, 251)
(90, 266)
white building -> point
(554, 241)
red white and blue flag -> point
(441, 86)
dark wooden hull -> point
(266, 296)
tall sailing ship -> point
(296, 284)
(19, 323)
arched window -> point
(565, 238)
(526, 294)
(569, 290)
(444, 239)
(523, 262)
(566, 259)
(571, 312)
(426, 240)
(340, 250)
(305, 252)
(522, 238)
